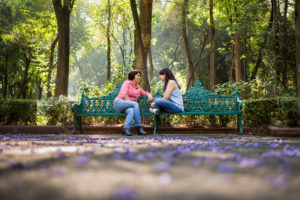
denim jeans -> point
(166, 105)
(132, 109)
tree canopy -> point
(61, 47)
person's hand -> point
(150, 97)
(152, 105)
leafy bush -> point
(274, 111)
(255, 89)
(53, 111)
(260, 112)
(18, 111)
(290, 111)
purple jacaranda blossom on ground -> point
(283, 169)
(20, 165)
(284, 160)
(225, 167)
(125, 193)
(60, 155)
(116, 155)
(291, 151)
(140, 158)
(129, 155)
(278, 181)
(271, 154)
(274, 145)
(87, 153)
(59, 172)
(82, 160)
(250, 163)
(162, 166)
(197, 162)
(235, 157)
(228, 148)
(150, 155)
(164, 179)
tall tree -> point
(276, 40)
(63, 9)
(190, 76)
(212, 46)
(297, 27)
(142, 37)
(51, 66)
(108, 40)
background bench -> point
(197, 101)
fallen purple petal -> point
(250, 163)
(225, 167)
(125, 193)
(162, 166)
(164, 179)
(82, 160)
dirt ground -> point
(110, 166)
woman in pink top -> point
(126, 102)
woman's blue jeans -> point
(132, 109)
(166, 105)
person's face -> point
(162, 77)
(137, 78)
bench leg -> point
(75, 126)
(240, 123)
(79, 125)
(155, 124)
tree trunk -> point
(232, 64)
(186, 44)
(276, 42)
(284, 45)
(108, 41)
(297, 27)
(63, 12)
(142, 37)
(5, 78)
(212, 47)
(23, 84)
(52, 49)
(40, 87)
(237, 56)
(151, 63)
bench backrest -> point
(196, 100)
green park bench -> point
(197, 101)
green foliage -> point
(290, 111)
(14, 111)
(273, 111)
(254, 89)
(53, 111)
(260, 112)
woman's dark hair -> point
(132, 74)
(169, 76)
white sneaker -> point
(154, 111)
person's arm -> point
(124, 91)
(171, 86)
(144, 93)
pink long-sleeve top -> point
(128, 90)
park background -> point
(52, 51)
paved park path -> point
(214, 166)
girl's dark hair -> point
(169, 76)
(132, 74)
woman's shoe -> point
(126, 132)
(141, 131)
(154, 111)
